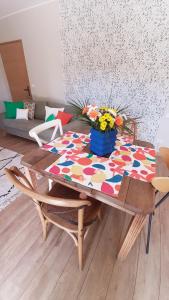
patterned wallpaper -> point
(118, 47)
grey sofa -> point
(21, 127)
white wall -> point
(132, 61)
(162, 138)
(4, 87)
(39, 30)
(119, 47)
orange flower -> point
(119, 121)
(93, 114)
(85, 110)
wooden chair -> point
(161, 184)
(44, 126)
(62, 207)
(56, 124)
(164, 153)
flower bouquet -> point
(105, 122)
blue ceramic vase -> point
(102, 143)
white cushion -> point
(52, 111)
(22, 113)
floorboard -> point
(31, 269)
(122, 281)
(71, 280)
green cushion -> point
(10, 109)
(50, 118)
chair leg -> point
(80, 251)
(149, 233)
(50, 181)
(44, 227)
(162, 200)
(80, 237)
(100, 214)
(150, 221)
(44, 222)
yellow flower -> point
(103, 125)
(111, 123)
(110, 118)
(101, 119)
(107, 115)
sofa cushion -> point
(50, 118)
(31, 109)
(11, 107)
(22, 114)
(64, 117)
(52, 111)
(55, 104)
(40, 110)
(24, 125)
(67, 108)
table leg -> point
(134, 230)
(31, 176)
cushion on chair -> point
(70, 214)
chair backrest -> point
(164, 153)
(21, 183)
(162, 183)
(55, 124)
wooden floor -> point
(31, 269)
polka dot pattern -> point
(70, 140)
(100, 173)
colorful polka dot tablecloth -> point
(124, 140)
(74, 142)
(100, 173)
(106, 174)
(137, 162)
(89, 170)
(70, 141)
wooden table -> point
(135, 197)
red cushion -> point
(64, 117)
